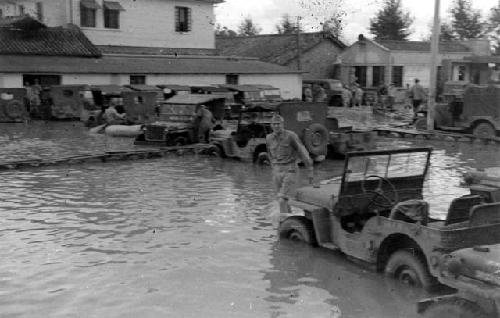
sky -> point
(267, 13)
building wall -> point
(290, 85)
(319, 62)
(8, 80)
(417, 64)
(158, 29)
(146, 23)
(54, 12)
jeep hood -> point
(481, 263)
(323, 195)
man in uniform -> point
(285, 149)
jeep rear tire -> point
(298, 228)
(454, 308)
(409, 268)
(484, 130)
(316, 139)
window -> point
(397, 76)
(232, 79)
(88, 10)
(137, 79)
(360, 73)
(39, 11)
(21, 9)
(378, 75)
(112, 14)
(182, 19)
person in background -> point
(206, 122)
(35, 100)
(417, 95)
(407, 97)
(285, 150)
(319, 94)
(308, 95)
(391, 96)
(112, 117)
(29, 97)
(358, 95)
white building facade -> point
(128, 31)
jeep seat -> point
(323, 195)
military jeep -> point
(248, 141)
(375, 212)
(176, 122)
(474, 272)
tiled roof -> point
(421, 46)
(273, 48)
(138, 65)
(57, 41)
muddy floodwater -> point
(180, 236)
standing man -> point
(417, 94)
(204, 122)
(284, 149)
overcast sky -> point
(267, 13)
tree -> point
(224, 31)
(465, 21)
(335, 24)
(287, 26)
(248, 28)
(446, 33)
(391, 23)
(493, 31)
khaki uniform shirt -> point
(286, 148)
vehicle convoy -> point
(473, 272)
(319, 133)
(248, 142)
(176, 123)
(375, 212)
(471, 98)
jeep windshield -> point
(400, 163)
(177, 112)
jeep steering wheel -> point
(381, 199)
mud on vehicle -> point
(176, 124)
(248, 141)
(375, 212)
(472, 272)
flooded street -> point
(179, 236)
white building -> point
(147, 41)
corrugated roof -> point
(422, 46)
(138, 65)
(57, 41)
(273, 48)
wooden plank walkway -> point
(106, 156)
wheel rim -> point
(408, 277)
(484, 131)
(316, 139)
(296, 236)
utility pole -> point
(433, 80)
(299, 66)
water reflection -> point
(307, 282)
(178, 236)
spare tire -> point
(15, 110)
(316, 139)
